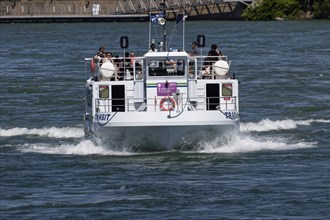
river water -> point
(277, 168)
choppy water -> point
(277, 168)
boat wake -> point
(245, 142)
(268, 125)
(84, 147)
(240, 144)
(51, 132)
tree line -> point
(287, 10)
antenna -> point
(164, 26)
(149, 24)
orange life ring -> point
(92, 66)
(171, 105)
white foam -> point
(72, 132)
(85, 147)
(268, 125)
(243, 144)
(65, 132)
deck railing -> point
(228, 103)
(204, 66)
(199, 67)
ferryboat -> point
(165, 99)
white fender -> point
(107, 69)
(221, 68)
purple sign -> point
(166, 90)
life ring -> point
(171, 106)
(92, 66)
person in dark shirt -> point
(214, 51)
(212, 56)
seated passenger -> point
(118, 65)
(170, 66)
(206, 73)
(132, 55)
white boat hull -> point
(150, 132)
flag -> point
(181, 17)
(154, 17)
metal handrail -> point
(136, 71)
(227, 103)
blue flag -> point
(154, 17)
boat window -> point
(138, 69)
(103, 91)
(227, 89)
(192, 68)
(166, 67)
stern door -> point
(212, 96)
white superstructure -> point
(163, 99)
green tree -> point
(286, 9)
(321, 9)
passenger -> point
(108, 58)
(100, 53)
(118, 65)
(126, 67)
(212, 56)
(170, 66)
(214, 51)
(152, 48)
(117, 61)
(127, 61)
(99, 56)
(132, 55)
(170, 62)
(193, 49)
(206, 73)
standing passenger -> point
(193, 49)
(100, 53)
(214, 51)
(152, 48)
(213, 55)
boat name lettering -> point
(103, 117)
(231, 115)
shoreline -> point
(73, 18)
